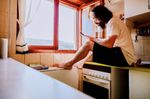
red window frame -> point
(54, 47)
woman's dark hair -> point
(102, 13)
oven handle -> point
(99, 81)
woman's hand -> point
(91, 38)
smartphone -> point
(85, 35)
(82, 33)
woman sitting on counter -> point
(117, 49)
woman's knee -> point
(89, 45)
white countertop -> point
(18, 81)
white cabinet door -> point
(69, 77)
(135, 7)
(139, 85)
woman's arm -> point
(108, 42)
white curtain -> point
(27, 12)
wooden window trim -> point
(69, 4)
(48, 49)
(36, 50)
(56, 23)
(91, 3)
(54, 47)
(79, 18)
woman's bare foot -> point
(64, 65)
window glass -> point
(87, 27)
(39, 20)
(67, 28)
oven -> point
(96, 81)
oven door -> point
(96, 87)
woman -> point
(116, 49)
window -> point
(39, 33)
(40, 30)
(87, 25)
(67, 28)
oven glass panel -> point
(95, 91)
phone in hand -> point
(84, 35)
(87, 36)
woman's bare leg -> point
(80, 54)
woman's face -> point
(97, 21)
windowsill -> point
(48, 49)
(51, 51)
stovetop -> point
(97, 68)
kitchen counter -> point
(18, 81)
(135, 78)
(143, 69)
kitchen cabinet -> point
(137, 78)
(137, 13)
(69, 77)
(139, 84)
(136, 7)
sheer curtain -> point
(27, 10)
